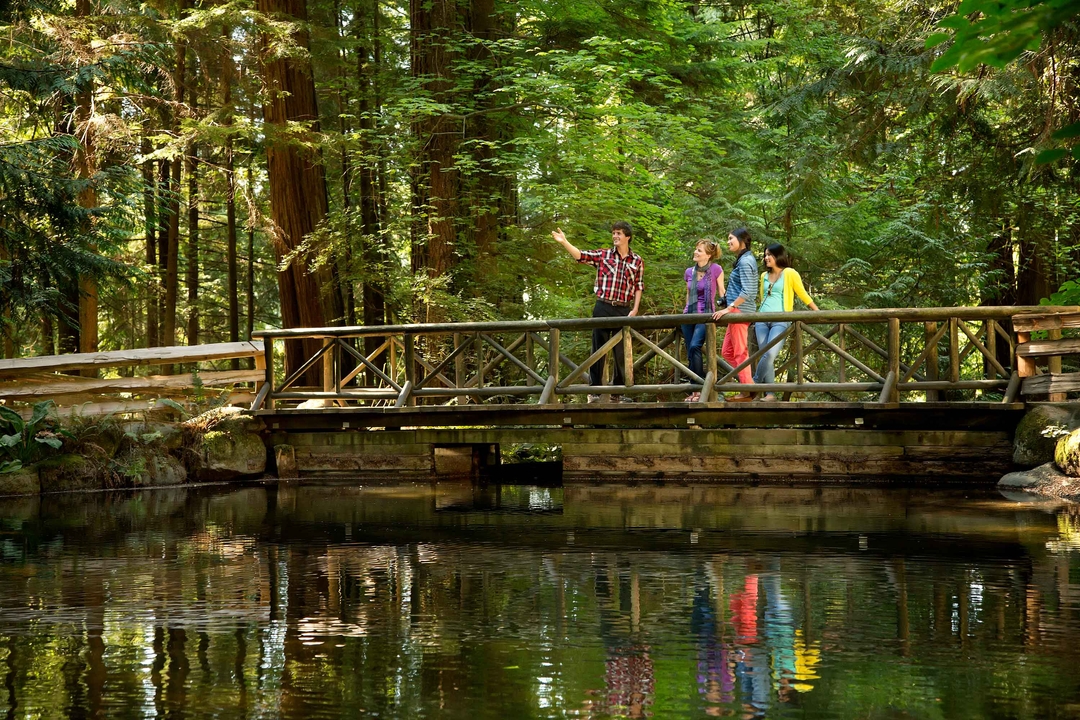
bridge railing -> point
(880, 355)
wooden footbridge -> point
(865, 394)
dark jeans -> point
(599, 337)
(694, 335)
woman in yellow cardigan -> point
(779, 286)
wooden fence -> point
(880, 355)
(28, 380)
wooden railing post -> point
(894, 360)
(842, 343)
(478, 345)
(392, 349)
(1025, 366)
(266, 363)
(628, 358)
(1054, 365)
(549, 396)
(410, 366)
(930, 331)
(954, 350)
(797, 344)
(711, 362)
(328, 366)
(459, 369)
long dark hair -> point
(783, 260)
(743, 236)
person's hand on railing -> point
(720, 313)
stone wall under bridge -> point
(697, 453)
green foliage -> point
(996, 32)
(1067, 294)
(24, 441)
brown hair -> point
(711, 246)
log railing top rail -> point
(650, 322)
(127, 358)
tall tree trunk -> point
(173, 256)
(150, 219)
(192, 274)
(1033, 271)
(233, 288)
(1003, 291)
(69, 313)
(433, 24)
(48, 342)
(250, 284)
(490, 187)
(347, 293)
(375, 255)
(298, 200)
(85, 168)
(165, 207)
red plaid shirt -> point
(617, 278)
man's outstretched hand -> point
(561, 238)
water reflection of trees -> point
(216, 607)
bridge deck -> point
(929, 416)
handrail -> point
(652, 322)
(937, 355)
(125, 358)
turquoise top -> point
(773, 298)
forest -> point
(182, 172)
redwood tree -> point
(298, 200)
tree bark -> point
(85, 167)
(298, 200)
(433, 24)
(150, 219)
(192, 274)
(1033, 281)
(172, 258)
(375, 255)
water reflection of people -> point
(751, 662)
(628, 671)
(715, 681)
(779, 635)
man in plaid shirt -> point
(618, 292)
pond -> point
(597, 601)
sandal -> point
(693, 397)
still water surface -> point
(521, 602)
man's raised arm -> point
(561, 239)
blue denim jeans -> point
(766, 332)
(694, 335)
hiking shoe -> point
(594, 399)
(616, 399)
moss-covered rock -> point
(69, 472)
(226, 455)
(144, 466)
(224, 444)
(21, 482)
(1030, 446)
(1067, 454)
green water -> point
(520, 602)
